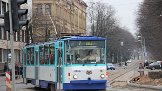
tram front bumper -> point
(85, 84)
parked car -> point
(129, 61)
(110, 66)
(155, 65)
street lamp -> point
(143, 45)
(121, 44)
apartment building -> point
(19, 39)
(55, 18)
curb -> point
(145, 86)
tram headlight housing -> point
(102, 76)
(75, 76)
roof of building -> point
(82, 2)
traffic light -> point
(17, 13)
(6, 21)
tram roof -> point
(35, 44)
(83, 38)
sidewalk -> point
(19, 85)
(145, 86)
(149, 86)
(3, 81)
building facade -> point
(19, 39)
(53, 18)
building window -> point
(3, 7)
(18, 36)
(5, 35)
(8, 35)
(22, 35)
(57, 1)
(7, 7)
(48, 9)
(0, 55)
(14, 36)
(0, 32)
(0, 7)
(39, 9)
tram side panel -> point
(47, 73)
(40, 75)
(30, 70)
(28, 63)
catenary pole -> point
(12, 48)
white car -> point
(129, 61)
(110, 66)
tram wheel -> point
(103, 90)
(37, 88)
(52, 87)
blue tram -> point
(69, 63)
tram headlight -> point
(102, 76)
(75, 76)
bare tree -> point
(104, 24)
(149, 23)
(43, 27)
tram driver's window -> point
(41, 56)
(46, 54)
(51, 54)
(68, 59)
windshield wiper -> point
(96, 63)
(85, 61)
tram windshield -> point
(86, 52)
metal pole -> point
(122, 44)
(144, 44)
(12, 48)
(46, 39)
(142, 47)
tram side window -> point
(51, 54)
(32, 56)
(24, 58)
(41, 59)
(46, 54)
(28, 56)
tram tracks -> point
(121, 72)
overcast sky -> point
(126, 11)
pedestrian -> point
(120, 64)
(5, 67)
(125, 66)
(141, 67)
(161, 65)
(145, 64)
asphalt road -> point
(22, 87)
(117, 80)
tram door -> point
(36, 67)
(24, 66)
(59, 69)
